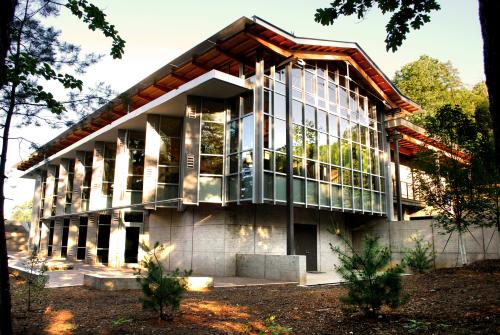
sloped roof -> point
(236, 44)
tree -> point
(371, 282)
(414, 14)
(163, 290)
(446, 179)
(432, 84)
(36, 57)
(22, 212)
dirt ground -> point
(447, 301)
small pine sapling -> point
(36, 279)
(421, 258)
(371, 281)
(163, 290)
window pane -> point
(312, 193)
(321, 88)
(357, 199)
(324, 194)
(280, 187)
(298, 140)
(170, 149)
(309, 82)
(268, 160)
(232, 188)
(332, 93)
(334, 150)
(311, 170)
(297, 116)
(311, 147)
(336, 196)
(267, 102)
(347, 197)
(212, 138)
(279, 106)
(168, 175)
(165, 192)
(367, 204)
(210, 189)
(280, 163)
(279, 135)
(324, 172)
(233, 164)
(345, 131)
(268, 186)
(234, 108)
(355, 156)
(346, 177)
(134, 183)
(297, 78)
(298, 167)
(213, 110)
(322, 120)
(323, 147)
(268, 134)
(136, 162)
(246, 185)
(343, 97)
(234, 136)
(365, 159)
(298, 190)
(248, 104)
(247, 133)
(171, 127)
(346, 154)
(310, 115)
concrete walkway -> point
(74, 277)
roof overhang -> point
(237, 44)
(414, 139)
(214, 84)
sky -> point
(157, 31)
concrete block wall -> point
(480, 243)
(290, 268)
(207, 238)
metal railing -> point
(407, 191)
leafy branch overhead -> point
(406, 14)
(96, 19)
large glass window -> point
(337, 139)
(212, 149)
(87, 178)
(68, 193)
(168, 161)
(135, 179)
(109, 172)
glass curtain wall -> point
(337, 142)
(86, 185)
(169, 158)
(239, 163)
(108, 177)
(135, 145)
(68, 194)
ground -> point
(458, 301)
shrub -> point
(421, 258)
(370, 281)
(36, 279)
(163, 290)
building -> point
(253, 142)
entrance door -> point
(306, 244)
(64, 242)
(103, 232)
(131, 244)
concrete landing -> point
(323, 278)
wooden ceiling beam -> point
(144, 96)
(179, 77)
(236, 58)
(200, 65)
(162, 87)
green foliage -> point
(33, 288)
(415, 326)
(421, 258)
(22, 212)
(370, 280)
(405, 15)
(162, 290)
(121, 321)
(272, 327)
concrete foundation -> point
(288, 268)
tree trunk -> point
(7, 8)
(461, 248)
(490, 28)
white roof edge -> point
(213, 74)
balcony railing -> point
(407, 191)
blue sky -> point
(157, 31)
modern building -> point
(253, 142)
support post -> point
(290, 235)
(399, 205)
